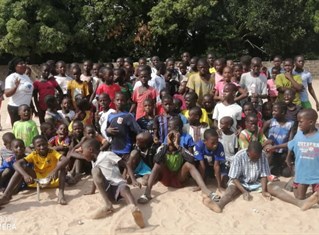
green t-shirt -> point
(174, 161)
(25, 130)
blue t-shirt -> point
(186, 141)
(201, 152)
(306, 150)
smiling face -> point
(20, 67)
(288, 66)
(24, 112)
(18, 148)
(62, 131)
(251, 124)
(211, 143)
(41, 147)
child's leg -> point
(5, 177)
(100, 183)
(152, 179)
(300, 191)
(41, 114)
(62, 176)
(306, 204)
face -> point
(182, 88)
(108, 77)
(120, 62)
(167, 105)
(24, 113)
(18, 148)
(253, 156)
(211, 143)
(142, 143)
(119, 101)
(144, 77)
(210, 59)
(194, 117)
(170, 65)
(277, 112)
(173, 126)
(224, 124)
(66, 104)
(289, 96)
(228, 92)
(255, 67)
(142, 62)
(251, 124)
(155, 60)
(77, 129)
(227, 74)
(288, 66)
(218, 66)
(41, 147)
(62, 131)
(193, 64)
(203, 68)
(117, 76)
(185, 57)
(238, 72)
(274, 73)
(87, 66)
(48, 131)
(299, 62)
(76, 73)
(267, 110)
(95, 69)
(230, 63)
(183, 69)
(304, 123)
(208, 103)
(21, 67)
(277, 62)
(248, 109)
(190, 101)
(89, 133)
(45, 71)
(61, 68)
(104, 101)
(148, 107)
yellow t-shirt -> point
(212, 70)
(77, 88)
(43, 166)
(203, 118)
(282, 81)
(200, 86)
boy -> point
(228, 138)
(48, 163)
(7, 160)
(26, 128)
(107, 178)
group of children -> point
(162, 122)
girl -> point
(248, 108)
(272, 89)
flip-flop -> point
(143, 199)
(214, 197)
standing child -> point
(66, 112)
(147, 121)
(62, 78)
(25, 128)
(292, 109)
(219, 65)
(142, 93)
(102, 116)
(86, 76)
(42, 88)
(271, 85)
(238, 71)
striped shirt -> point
(247, 171)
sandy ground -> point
(171, 211)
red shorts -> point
(315, 187)
(170, 178)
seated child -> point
(107, 178)
(66, 112)
(173, 164)
(209, 153)
(25, 129)
(51, 114)
(229, 139)
(61, 142)
(7, 160)
(248, 108)
(48, 163)
(292, 109)
(147, 121)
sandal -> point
(214, 197)
(143, 199)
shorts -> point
(224, 169)
(113, 191)
(249, 187)
(170, 178)
(315, 187)
(306, 105)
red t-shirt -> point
(139, 100)
(45, 88)
(110, 90)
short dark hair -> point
(96, 145)
(39, 137)
(255, 146)
(211, 132)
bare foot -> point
(211, 204)
(4, 200)
(61, 200)
(310, 201)
(102, 212)
(138, 217)
(196, 189)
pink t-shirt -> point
(182, 99)
(218, 77)
(139, 100)
(110, 90)
(272, 89)
(44, 88)
(221, 84)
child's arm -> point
(217, 174)
(35, 98)
(61, 164)
(298, 87)
(130, 173)
(243, 94)
(313, 94)
(266, 126)
(133, 108)
(19, 168)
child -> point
(107, 178)
(62, 78)
(271, 85)
(159, 110)
(121, 127)
(279, 130)
(248, 108)
(126, 87)
(219, 65)
(47, 130)
(25, 129)
(237, 72)
(181, 92)
(209, 153)
(288, 80)
(267, 111)
(61, 142)
(48, 163)
(102, 116)
(147, 121)
(292, 109)
(194, 127)
(66, 112)
(173, 164)
(108, 87)
(227, 76)
(7, 160)
(229, 139)
(228, 107)
(76, 86)
(208, 104)
(142, 93)
(51, 114)
(42, 88)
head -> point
(120, 101)
(167, 103)
(120, 62)
(24, 112)
(175, 124)
(211, 139)
(144, 76)
(238, 71)
(210, 59)
(155, 60)
(60, 67)
(191, 99)
(274, 72)
(195, 114)
(66, 104)
(277, 61)
(77, 129)
(279, 110)
(230, 63)
(251, 121)
(95, 69)
(256, 65)
(17, 65)
(168, 75)
(226, 123)
(170, 64)
(51, 102)
(41, 145)
(87, 66)
(267, 110)
(299, 61)
(177, 105)
(254, 151)
(193, 63)
(289, 96)
(182, 68)
(144, 141)
(202, 67)
(73, 65)
(109, 65)
(91, 149)
(142, 61)
(45, 71)
(208, 103)
(104, 101)
(119, 75)
(89, 132)
(82, 103)
(227, 73)
(245, 61)
(148, 106)
(47, 129)
(288, 65)
(76, 73)
(229, 91)
(106, 75)
(62, 131)
(219, 65)
(186, 57)
(7, 138)
(18, 148)
(182, 88)
(248, 108)
(307, 119)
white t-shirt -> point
(254, 84)
(233, 111)
(70, 115)
(63, 82)
(107, 162)
(230, 143)
(103, 122)
(23, 94)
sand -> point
(171, 211)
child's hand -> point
(170, 138)
(267, 196)
(17, 82)
(28, 179)
(177, 139)
(247, 196)
(136, 184)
